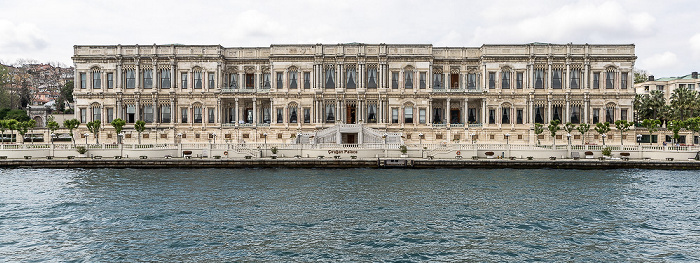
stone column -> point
(236, 113)
(255, 111)
(447, 112)
(484, 121)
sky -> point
(666, 33)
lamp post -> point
(53, 137)
(507, 138)
(384, 136)
(639, 139)
(86, 137)
(213, 134)
(604, 135)
(120, 136)
(265, 136)
(420, 139)
(568, 137)
(472, 135)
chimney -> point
(651, 77)
(694, 74)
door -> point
(351, 114)
(455, 116)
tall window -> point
(266, 115)
(293, 116)
(96, 80)
(211, 76)
(422, 80)
(280, 118)
(610, 115)
(183, 115)
(110, 80)
(492, 116)
(437, 115)
(596, 80)
(197, 114)
(278, 76)
(307, 80)
(492, 80)
(371, 78)
(329, 78)
(110, 115)
(147, 79)
(250, 81)
(130, 113)
(623, 85)
(394, 80)
(575, 114)
(330, 115)
(408, 79)
(130, 79)
(437, 80)
(609, 79)
(556, 79)
(293, 80)
(471, 115)
(575, 81)
(210, 118)
(505, 79)
(198, 80)
(233, 81)
(505, 115)
(519, 116)
(471, 81)
(164, 78)
(372, 113)
(408, 114)
(539, 78)
(83, 115)
(351, 78)
(394, 115)
(96, 113)
(596, 116)
(421, 116)
(623, 114)
(148, 113)
(183, 79)
(83, 80)
(556, 113)
(519, 80)
(165, 113)
(307, 115)
(539, 114)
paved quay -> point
(160, 163)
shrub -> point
(607, 151)
(403, 149)
(81, 149)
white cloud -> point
(695, 45)
(659, 61)
(20, 37)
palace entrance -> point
(349, 138)
(455, 116)
(351, 116)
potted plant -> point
(81, 150)
(607, 151)
(274, 152)
(403, 150)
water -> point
(356, 215)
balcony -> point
(245, 90)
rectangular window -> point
(519, 116)
(110, 80)
(472, 115)
(130, 79)
(505, 80)
(539, 78)
(623, 114)
(394, 80)
(330, 115)
(197, 116)
(596, 80)
(278, 77)
(575, 81)
(96, 114)
(183, 115)
(492, 80)
(454, 81)
(210, 118)
(233, 81)
(307, 115)
(421, 116)
(371, 78)
(83, 114)
(280, 115)
(557, 113)
(164, 78)
(96, 80)
(130, 113)
(372, 113)
(422, 77)
(539, 114)
(183, 78)
(437, 115)
(293, 116)
(165, 114)
(212, 77)
(408, 79)
(351, 78)
(691, 86)
(307, 80)
(623, 85)
(266, 115)
(610, 115)
(437, 81)
(609, 80)
(148, 113)
(147, 79)
(519, 80)
(83, 80)
(198, 80)
(471, 81)
(250, 81)
(293, 80)
(394, 115)
(492, 116)
(596, 116)
(505, 115)
(110, 115)
(408, 115)
(329, 78)
(575, 114)
(556, 79)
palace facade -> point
(352, 93)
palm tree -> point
(683, 104)
(652, 126)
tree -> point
(66, 95)
(623, 126)
(12, 126)
(3, 127)
(569, 127)
(30, 124)
(640, 76)
(118, 125)
(23, 127)
(140, 126)
(71, 125)
(94, 128)
(602, 129)
(538, 130)
(649, 106)
(675, 127)
(693, 125)
(52, 125)
(553, 129)
(652, 126)
(684, 104)
(583, 128)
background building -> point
(353, 93)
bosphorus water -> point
(353, 215)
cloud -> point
(695, 45)
(17, 38)
(658, 61)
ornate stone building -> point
(352, 93)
